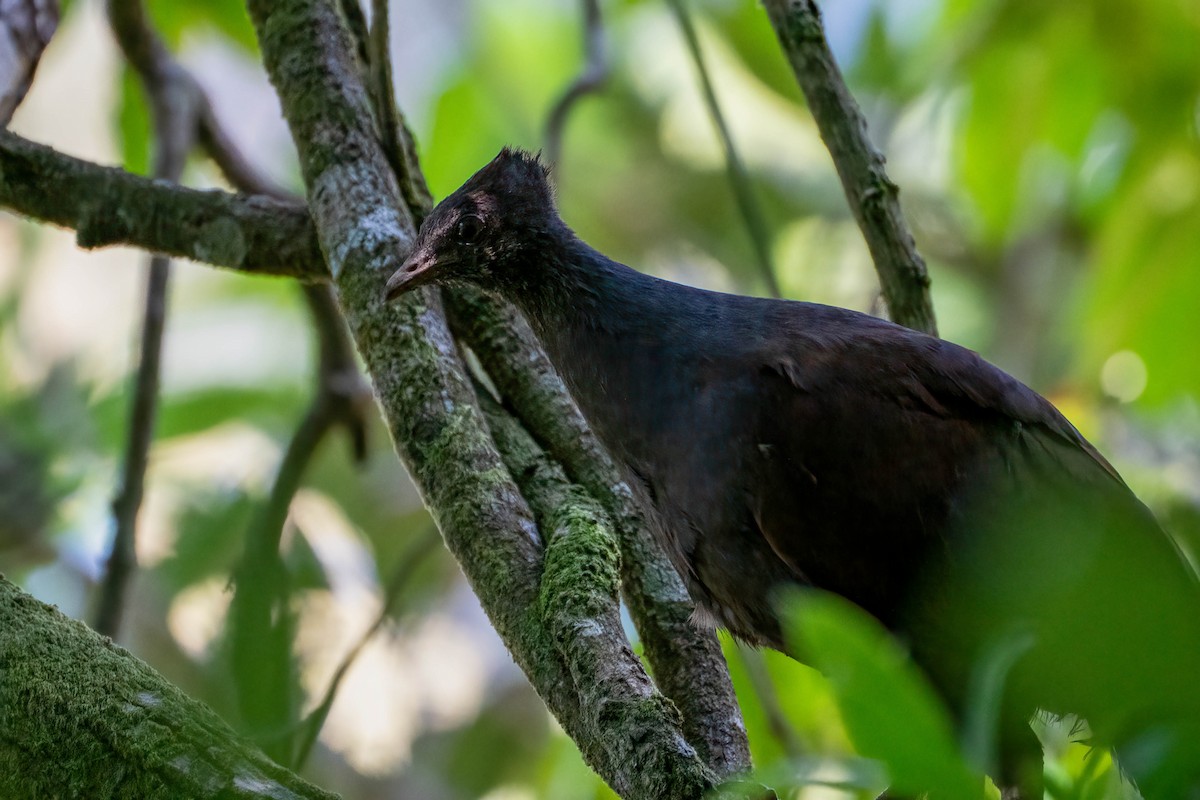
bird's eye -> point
(469, 228)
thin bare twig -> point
(739, 178)
(873, 198)
(590, 79)
(174, 112)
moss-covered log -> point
(81, 717)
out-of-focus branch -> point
(873, 198)
(174, 111)
(261, 618)
(25, 29)
(237, 169)
(590, 79)
(260, 614)
(254, 234)
(347, 396)
(739, 178)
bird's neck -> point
(567, 290)
(609, 331)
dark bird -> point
(784, 443)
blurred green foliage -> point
(1047, 154)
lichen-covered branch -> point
(420, 383)
(108, 206)
(578, 603)
(687, 661)
(81, 717)
(873, 198)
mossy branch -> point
(108, 206)
(579, 607)
(687, 661)
(419, 380)
(81, 717)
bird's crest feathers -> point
(514, 174)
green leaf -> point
(133, 123)
(210, 532)
(890, 711)
(174, 20)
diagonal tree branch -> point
(419, 381)
(873, 198)
(107, 206)
(687, 661)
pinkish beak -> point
(416, 271)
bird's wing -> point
(875, 444)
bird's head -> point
(477, 233)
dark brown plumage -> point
(782, 443)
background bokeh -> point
(1049, 164)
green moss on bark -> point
(421, 383)
(109, 206)
(81, 717)
(687, 661)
